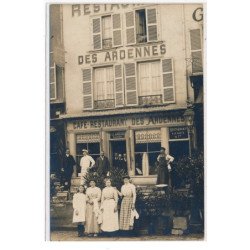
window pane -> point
(138, 163)
(106, 22)
(141, 147)
(53, 91)
(155, 147)
(94, 148)
(80, 147)
(152, 157)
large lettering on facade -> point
(123, 54)
(125, 122)
(88, 9)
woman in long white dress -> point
(109, 208)
(79, 206)
(93, 203)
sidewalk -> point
(72, 236)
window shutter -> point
(119, 88)
(117, 30)
(168, 81)
(97, 33)
(52, 81)
(196, 51)
(130, 83)
(130, 27)
(152, 34)
(87, 89)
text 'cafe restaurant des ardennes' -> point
(128, 78)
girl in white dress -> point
(92, 212)
(109, 208)
(79, 206)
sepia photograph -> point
(126, 122)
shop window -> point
(147, 149)
(106, 32)
(150, 90)
(141, 28)
(92, 147)
(104, 88)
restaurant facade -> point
(129, 73)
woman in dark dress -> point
(163, 167)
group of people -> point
(102, 165)
(96, 210)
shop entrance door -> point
(117, 146)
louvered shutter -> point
(117, 30)
(97, 33)
(130, 84)
(152, 34)
(87, 89)
(196, 50)
(52, 81)
(168, 81)
(119, 88)
(130, 27)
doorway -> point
(117, 146)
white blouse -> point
(129, 190)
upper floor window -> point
(196, 50)
(141, 26)
(149, 78)
(104, 84)
(52, 78)
(104, 88)
(107, 31)
(141, 29)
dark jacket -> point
(102, 165)
(68, 165)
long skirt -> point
(109, 217)
(162, 175)
(125, 213)
(91, 226)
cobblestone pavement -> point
(72, 236)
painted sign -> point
(178, 133)
(198, 14)
(117, 135)
(123, 54)
(124, 122)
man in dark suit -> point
(102, 164)
(67, 169)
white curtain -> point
(104, 83)
(145, 164)
(150, 79)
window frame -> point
(95, 87)
(53, 82)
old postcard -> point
(126, 128)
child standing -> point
(79, 206)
